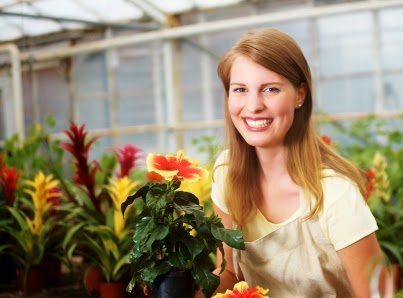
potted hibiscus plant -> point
(172, 234)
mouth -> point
(258, 123)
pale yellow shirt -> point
(345, 217)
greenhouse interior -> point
(85, 85)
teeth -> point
(258, 123)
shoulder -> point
(337, 186)
(219, 177)
(345, 217)
(220, 167)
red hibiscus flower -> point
(177, 167)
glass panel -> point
(347, 95)
(90, 74)
(391, 23)
(345, 44)
(94, 113)
(393, 92)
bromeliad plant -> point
(102, 237)
(172, 230)
(29, 237)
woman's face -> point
(261, 103)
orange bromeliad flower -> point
(177, 167)
(241, 290)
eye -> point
(239, 90)
(271, 90)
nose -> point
(255, 102)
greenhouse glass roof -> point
(31, 18)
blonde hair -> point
(307, 155)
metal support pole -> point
(18, 105)
(112, 63)
(377, 64)
(173, 89)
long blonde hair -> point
(307, 155)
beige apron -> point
(294, 261)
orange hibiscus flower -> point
(177, 167)
(241, 290)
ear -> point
(301, 94)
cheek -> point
(283, 108)
(234, 106)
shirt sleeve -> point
(218, 186)
(346, 216)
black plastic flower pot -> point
(175, 284)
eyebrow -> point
(264, 84)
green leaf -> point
(393, 252)
(232, 238)
(71, 233)
(178, 261)
(158, 233)
(130, 199)
(183, 197)
(207, 280)
(150, 274)
(194, 210)
(156, 199)
(195, 246)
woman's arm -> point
(358, 260)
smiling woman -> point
(295, 199)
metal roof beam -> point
(152, 11)
(217, 26)
(71, 20)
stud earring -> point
(299, 105)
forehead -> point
(244, 69)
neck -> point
(273, 162)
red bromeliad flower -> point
(54, 200)
(177, 167)
(327, 140)
(371, 183)
(9, 179)
(128, 157)
(85, 172)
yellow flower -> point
(119, 190)
(177, 167)
(241, 290)
(40, 195)
(201, 188)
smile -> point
(258, 123)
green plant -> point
(99, 232)
(30, 229)
(172, 230)
(104, 249)
(375, 144)
(22, 160)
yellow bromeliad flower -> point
(241, 290)
(119, 190)
(42, 192)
